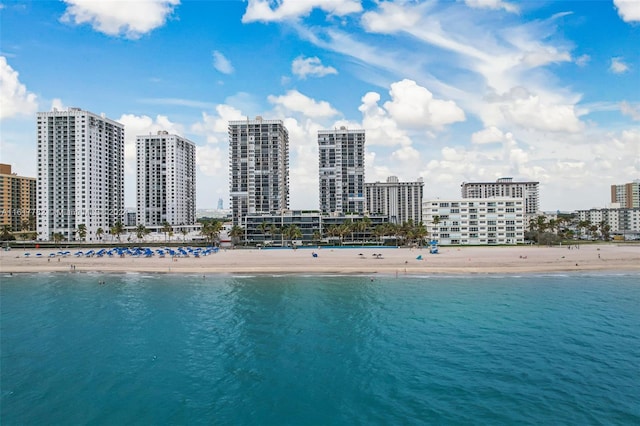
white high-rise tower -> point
(341, 169)
(80, 174)
(166, 180)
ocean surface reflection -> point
(143, 349)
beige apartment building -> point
(17, 200)
(627, 194)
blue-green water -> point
(170, 349)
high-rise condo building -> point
(627, 195)
(17, 200)
(166, 180)
(259, 167)
(80, 174)
(398, 201)
(505, 187)
(341, 169)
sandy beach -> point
(450, 260)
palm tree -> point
(379, 232)
(420, 232)
(166, 228)
(99, 233)
(264, 228)
(275, 230)
(236, 233)
(582, 225)
(406, 231)
(605, 229)
(141, 231)
(82, 231)
(317, 237)
(57, 237)
(358, 227)
(539, 226)
(211, 229)
(184, 232)
(344, 229)
(5, 233)
(292, 232)
(117, 229)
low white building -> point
(621, 221)
(478, 221)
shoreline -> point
(451, 260)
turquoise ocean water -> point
(295, 350)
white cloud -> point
(414, 106)
(137, 125)
(543, 55)
(211, 160)
(214, 127)
(57, 104)
(632, 111)
(15, 99)
(390, 18)
(295, 101)
(260, 10)
(303, 67)
(381, 129)
(221, 63)
(582, 60)
(629, 10)
(489, 135)
(492, 4)
(533, 111)
(618, 66)
(130, 19)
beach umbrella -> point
(27, 254)
(38, 254)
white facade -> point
(479, 221)
(80, 173)
(166, 180)
(341, 170)
(505, 187)
(259, 167)
(398, 201)
(622, 221)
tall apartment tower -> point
(80, 173)
(259, 167)
(399, 201)
(628, 194)
(166, 180)
(341, 169)
(505, 187)
(17, 200)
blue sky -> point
(450, 91)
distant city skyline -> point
(449, 91)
